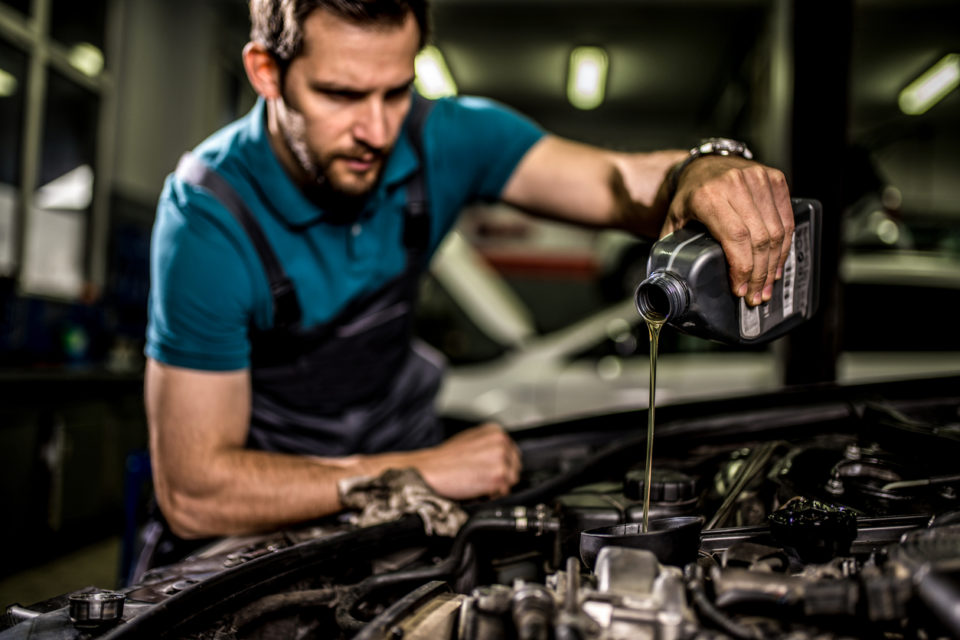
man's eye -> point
(347, 95)
(398, 94)
(344, 96)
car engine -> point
(818, 513)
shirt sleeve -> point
(201, 289)
(474, 145)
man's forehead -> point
(336, 49)
(321, 25)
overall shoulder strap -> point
(416, 232)
(286, 308)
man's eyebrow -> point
(333, 87)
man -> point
(257, 411)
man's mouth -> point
(361, 164)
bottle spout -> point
(661, 296)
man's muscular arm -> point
(744, 205)
(208, 484)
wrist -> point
(707, 147)
(373, 465)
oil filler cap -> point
(95, 609)
(668, 485)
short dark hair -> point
(278, 24)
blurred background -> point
(856, 100)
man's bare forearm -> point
(743, 204)
(591, 186)
(640, 190)
(242, 491)
(209, 484)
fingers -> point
(505, 472)
(769, 236)
(781, 196)
(514, 464)
(746, 207)
(481, 461)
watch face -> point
(708, 147)
(724, 146)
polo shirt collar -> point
(288, 200)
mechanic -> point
(287, 249)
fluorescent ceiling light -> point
(86, 58)
(8, 84)
(587, 77)
(433, 77)
(931, 87)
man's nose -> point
(371, 127)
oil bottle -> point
(687, 285)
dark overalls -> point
(356, 384)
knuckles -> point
(741, 273)
(739, 234)
(788, 229)
(777, 179)
(760, 241)
(777, 237)
(757, 175)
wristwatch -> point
(707, 147)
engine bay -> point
(827, 513)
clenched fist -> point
(477, 462)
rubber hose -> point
(693, 576)
(445, 568)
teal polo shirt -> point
(208, 285)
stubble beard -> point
(342, 203)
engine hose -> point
(491, 520)
(693, 576)
(599, 461)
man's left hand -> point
(746, 207)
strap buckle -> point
(286, 310)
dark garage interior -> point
(98, 99)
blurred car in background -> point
(503, 369)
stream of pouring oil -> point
(654, 324)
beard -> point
(342, 199)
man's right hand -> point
(481, 461)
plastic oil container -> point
(687, 284)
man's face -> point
(345, 98)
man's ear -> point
(262, 70)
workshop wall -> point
(72, 426)
(180, 79)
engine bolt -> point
(834, 486)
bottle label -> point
(801, 249)
(790, 293)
